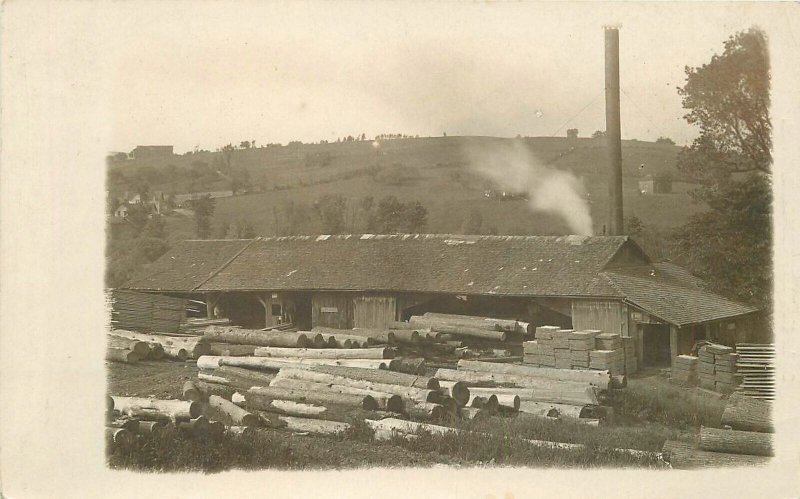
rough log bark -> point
(471, 332)
(487, 402)
(190, 392)
(213, 378)
(407, 392)
(736, 442)
(176, 352)
(264, 395)
(601, 379)
(380, 376)
(507, 325)
(122, 355)
(408, 366)
(130, 424)
(232, 350)
(156, 351)
(408, 336)
(341, 335)
(316, 426)
(119, 438)
(151, 427)
(457, 390)
(681, 455)
(561, 410)
(257, 337)
(276, 363)
(387, 337)
(196, 427)
(426, 410)
(176, 409)
(243, 378)
(234, 412)
(326, 353)
(531, 388)
(142, 348)
(748, 414)
(291, 408)
(386, 401)
(195, 346)
(209, 389)
(244, 432)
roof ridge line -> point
(227, 262)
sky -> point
(220, 73)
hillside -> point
(437, 172)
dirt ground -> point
(150, 378)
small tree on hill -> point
(203, 212)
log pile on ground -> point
(130, 346)
(746, 439)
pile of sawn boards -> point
(146, 311)
(746, 438)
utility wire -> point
(594, 99)
(642, 113)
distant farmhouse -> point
(367, 281)
(155, 203)
(660, 184)
(147, 152)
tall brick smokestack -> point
(613, 134)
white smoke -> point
(512, 168)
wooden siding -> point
(332, 310)
(374, 312)
(607, 316)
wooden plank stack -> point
(756, 365)
(684, 370)
(587, 349)
(146, 311)
(717, 368)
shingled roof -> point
(611, 267)
(501, 265)
(673, 295)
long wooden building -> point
(365, 281)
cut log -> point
(540, 389)
(242, 378)
(196, 427)
(232, 350)
(315, 426)
(208, 389)
(151, 427)
(176, 352)
(122, 355)
(471, 332)
(407, 392)
(257, 337)
(109, 403)
(190, 391)
(213, 378)
(265, 395)
(487, 402)
(380, 376)
(291, 408)
(176, 409)
(277, 363)
(681, 455)
(387, 401)
(195, 346)
(748, 414)
(600, 379)
(140, 347)
(408, 365)
(156, 351)
(408, 336)
(377, 335)
(130, 424)
(540, 409)
(209, 362)
(457, 390)
(561, 410)
(508, 402)
(118, 438)
(326, 353)
(244, 432)
(470, 413)
(238, 415)
(426, 411)
(736, 442)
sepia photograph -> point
(386, 237)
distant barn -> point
(366, 281)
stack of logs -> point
(747, 438)
(131, 347)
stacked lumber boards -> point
(161, 345)
(756, 365)
(684, 370)
(716, 369)
(746, 439)
(146, 311)
(588, 349)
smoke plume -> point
(512, 168)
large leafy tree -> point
(728, 100)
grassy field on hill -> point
(434, 171)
